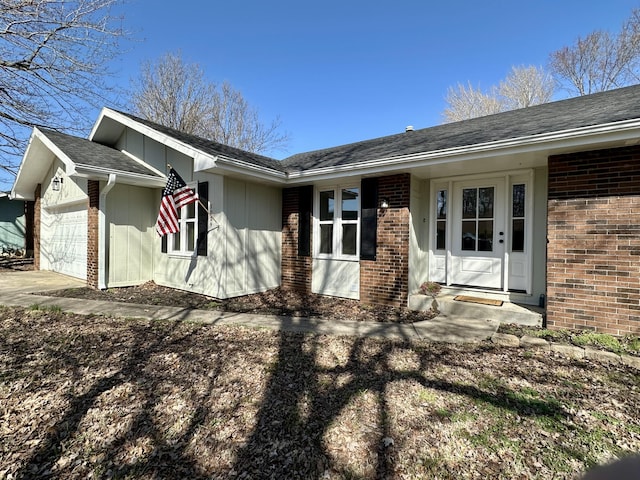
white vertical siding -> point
(130, 234)
(243, 243)
(418, 233)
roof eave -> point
(579, 137)
(102, 174)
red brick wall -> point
(593, 251)
(37, 210)
(296, 270)
(93, 188)
(385, 280)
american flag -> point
(174, 196)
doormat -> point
(483, 301)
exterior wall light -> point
(384, 203)
(56, 183)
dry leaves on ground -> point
(94, 397)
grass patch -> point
(600, 340)
(45, 308)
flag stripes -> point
(175, 195)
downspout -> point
(102, 236)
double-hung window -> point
(337, 219)
(184, 241)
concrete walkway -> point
(24, 289)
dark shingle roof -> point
(210, 147)
(600, 108)
(84, 152)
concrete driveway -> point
(36, 281)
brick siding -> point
(296, 270)
(37, 221)
(382, 281)
(593, 251)
(93, 190)
(385, 280)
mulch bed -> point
(277, 301)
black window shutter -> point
(163, 239)
(203, 218)
(305, 206)
(369, 218)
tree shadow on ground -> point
(142, 365)
(303, 399)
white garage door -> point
(63, 245)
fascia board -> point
(97, 173)
(203, 160)
(256, 171)
(25, 192)
(581, 137)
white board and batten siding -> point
(131, 218)
(243, 243)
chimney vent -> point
(409, 128)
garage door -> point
(63, 244)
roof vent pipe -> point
(409, 128)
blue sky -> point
(337, 72)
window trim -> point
(338, 223)
(183, 221)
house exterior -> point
(14, 220)
(536, 203)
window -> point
(477, 219)
(518, 218)
(184, 241)
(441, 220)
(338, 222)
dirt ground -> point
(96, 397)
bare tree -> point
(468, 102)
(523, 87)
(176, 94)
(601, 60)
(526, 86)
(54, 61)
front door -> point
(478, 233)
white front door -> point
(478, 233)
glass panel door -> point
(477, 219)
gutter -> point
(102, 237)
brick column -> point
(296, 270)
(385, 280)
(37, 210)
(93, 188)
(593, 251)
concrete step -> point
(507, 313)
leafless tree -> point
(176, 94)
(601, 60)
(526, 86)
(54, 66)
(523, 87)
(466, 102)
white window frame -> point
(338, 222)
(183, 221)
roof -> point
(210, 147)
(596, 109)
(86, 153)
